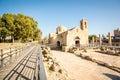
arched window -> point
(77, 37)
(85, 24)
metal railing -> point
(41, 69)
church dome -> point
(61, 29)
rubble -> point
(79, 52)
(115, 68)
(54, 70)
(110, 51)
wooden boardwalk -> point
(23, 68)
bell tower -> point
(83, 24)
(84, 30)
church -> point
(65, 39)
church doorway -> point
(58, 43)
(77, 41)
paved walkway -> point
(24, 68)
(81, 69)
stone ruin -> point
(54, 70)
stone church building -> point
(65, 39)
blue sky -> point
(103, 15)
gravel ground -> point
(81, 69)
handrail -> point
(41, 69)
(9, 52)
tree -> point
(90, 37)
(19, 27)
(8, 19)
(45, 40)
(3, 30)
(4, 33)
(37, 35)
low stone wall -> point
(109, 51)
(78, 52)
(100, 62)
(65, 48)
(54, 70)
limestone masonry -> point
(73, 37)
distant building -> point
(116, 37)
(117, 32)
(115, 40)
(73, 37)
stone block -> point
(65, 48)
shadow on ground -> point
(111, 76)
(23, 70)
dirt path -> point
(81, 69)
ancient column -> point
(109, 39)
(96, 40)
(93, 40)
(100, 42)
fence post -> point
(22, 49)
(10, 55)
(16, 51)
(19, 51)
(2, 58)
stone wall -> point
(72, 36)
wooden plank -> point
(15, 69)
(26, 68)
